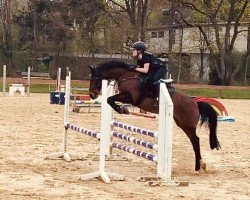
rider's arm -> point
(144, 69)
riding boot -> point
(157, 92)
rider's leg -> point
(160, 74)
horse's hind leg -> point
(195, 141)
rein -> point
(129, 78)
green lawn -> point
(213, 93)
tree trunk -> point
(201, 71)
(235, 72)
(180, 57)
(246, 69)
(35, 40)
(248, 55)
(171, 29)
(7, 36)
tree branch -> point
(229, 22)
(117, 4)
(236, 25)
(242, 31)
(193, 7)
(218, 8)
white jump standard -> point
(18, 87)
(163, 157)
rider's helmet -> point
(139, 46)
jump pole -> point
(4, 79)
(58, 80)
(28, 82)
(143, 115)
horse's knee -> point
(110, 100)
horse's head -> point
(95, 82)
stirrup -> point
(169, 80)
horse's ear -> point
(92, 70)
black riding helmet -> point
(139, 46)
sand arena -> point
(30, 128)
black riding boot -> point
(157, 92)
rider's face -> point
(135, 53)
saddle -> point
(149, 91)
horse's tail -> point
(208, 114)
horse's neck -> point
(114, 73)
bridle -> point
(117, 82)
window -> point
(153, 34)
(160, 34)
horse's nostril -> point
(92, 95)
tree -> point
(86, 15)
(214, 13)
(136, 12)
(6, 44)
(44, 25)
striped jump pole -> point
(130, 149)
(134, 129)
(140, 142)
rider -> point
(151, 66)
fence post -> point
(164, 157)
(4, 79)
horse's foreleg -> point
(122, 97)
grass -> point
(46, 88)
(212, 93)
(215, 93)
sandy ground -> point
(31, 128)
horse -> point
(187, 111)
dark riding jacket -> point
(157, 68)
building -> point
(192, 44)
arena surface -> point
(31, 128)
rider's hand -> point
(132, 67)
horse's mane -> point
(111, 65)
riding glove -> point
(132, 67)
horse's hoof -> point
(199, 172)
(203, 165)
(125, 111)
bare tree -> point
(212, 13)
(136, 11)
(180, 55)
(5, 6)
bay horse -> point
(186, 110)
